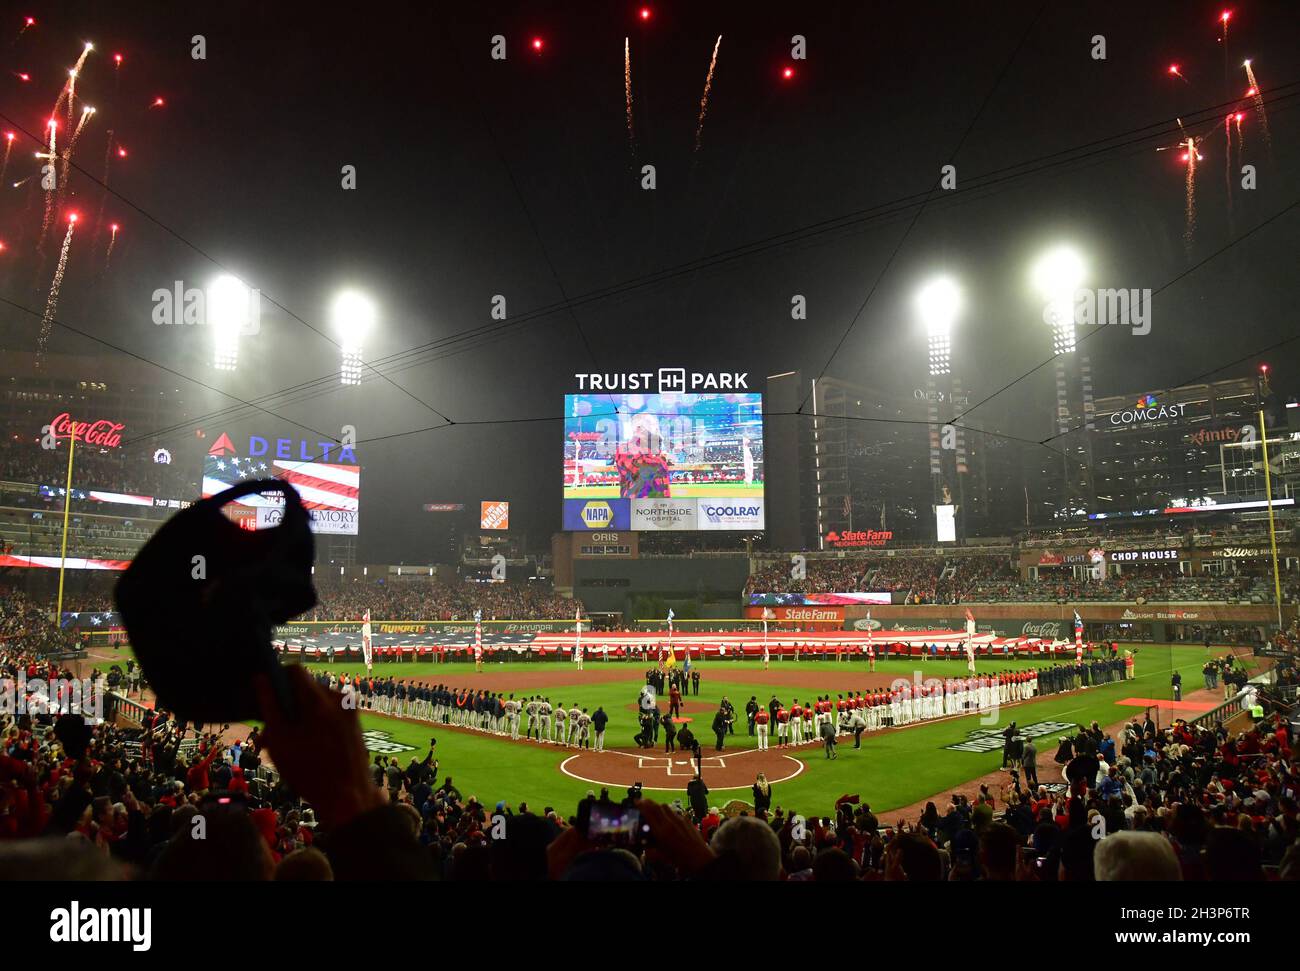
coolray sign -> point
(664, 381)
(1147, 408)
(101, 432)
(717, 514)
(336, 521)
(985, 740)
(652, 514)
(861, 537)
(1141, 556)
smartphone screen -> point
(617, 825)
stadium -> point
(678, 507)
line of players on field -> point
(501, 714)
(884, 708)
(480, 710)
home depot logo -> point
(494, 515)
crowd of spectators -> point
(919, 579)
(431, 598)
(936, 579)
(1185, 802)
(1150, 583)
(112, 470)
(25, 626)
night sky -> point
(478, 177)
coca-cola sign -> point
(102, 432)
(1048, 628)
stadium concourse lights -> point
(937, 304)
(353, 317)
(227, 311)
(1056, 275)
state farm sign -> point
(101, 432)
(862, 537)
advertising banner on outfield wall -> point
(657, 514)
(721, 514)
(585, 515)
(814, 615)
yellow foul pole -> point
(67, 503)
(1272, 535)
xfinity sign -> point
(666, 380)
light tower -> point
(938, 304)
(353, 316)
(227, 312)
(1056, 275)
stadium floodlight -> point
(937, 304)
(353, 316)
(1056, 275)
(227, 312)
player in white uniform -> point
(561, 725)
(575, 713)
(512, 717)
(544, 713)
(584, 729)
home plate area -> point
(721, 770)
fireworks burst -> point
(627, 95)
(9, 147)
(1189, 230)
(1254, 93)
(28, 22)
(1227, 163)
(52, 301)
(49, 192)
(704, 99)
(112, 241)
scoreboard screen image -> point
(663, 461)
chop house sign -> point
(102, 432)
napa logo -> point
(597, 515)
(1147, 401)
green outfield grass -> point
(680, 490)
(893, 769)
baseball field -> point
(894, 768)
